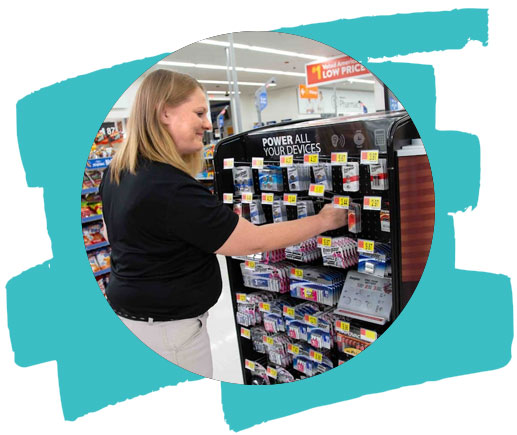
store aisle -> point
(223, 338)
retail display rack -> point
(97, 247)
(311, 307)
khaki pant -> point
(183, 342)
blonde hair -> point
(147, 136)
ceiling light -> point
(223, 67)
(219, 92)
(222, 82)
(262, 49)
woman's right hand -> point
(333, 218)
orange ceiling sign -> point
(308, 92)
(333, 70)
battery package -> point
(351, 177)
(379, 175)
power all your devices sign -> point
(333, 70)
(295, 143)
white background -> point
(46, 42)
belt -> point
(150, 319)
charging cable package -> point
(276, 349)
(379, 175)
(271, 179)
(243, 180)
(257, 332)
(350, 171)
(248, 312)
(280, 374)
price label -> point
(338, 158)
(268, 198)
(292, 348)
(297, 273)
(246, 333)
(311, 319)
(228, 198)
(372, 203)
(316, 356)
(286, 161)
(290, 198)
(368, 335)
(366, 246)
(271, 372)
(351, 351)
(241, 297)
(249, 264)
(342, 326)
(250, 365)
(369, 157)
(341, 202)
(257, 162)
(316, 190)
(228, 163)
(288, 311)
(324, 242)
(268, 340)
(247, 197)
(311, 159)
(264, 306)
(340, 362)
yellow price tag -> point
(351, 351)
(228, 198)
(368, 335)
(316, 190)
(286, 161)
(267, 198)
(297, 273)
(311, 159)
(246, 333)
(290, 198)
(342, 326)
(247, 197)
(228, 163)
(293, 349)
(316, 356)
(372, 202)
(268, 340)
(263, 306)
(289, 312)
(250, 365)
(366, 246)
(325, 242)
(241, 297)
(257, 162)
(369, 157)
(338, 158)
(249, 264)
(341, 202)
(272, 372)
(311, 319)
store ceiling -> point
(199, 53)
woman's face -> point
(187, 122)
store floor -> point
(223, 337)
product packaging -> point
(242, 180)
(379, 175)
(350, 172)
(271, 179)
(354, 218)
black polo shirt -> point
(163, 227)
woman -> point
(165, 228)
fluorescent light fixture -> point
(219, 92)
(222, 82)
(262, 49)
(219, 98)
(223, 67)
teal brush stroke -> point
(56, 312)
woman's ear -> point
(165, 114)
